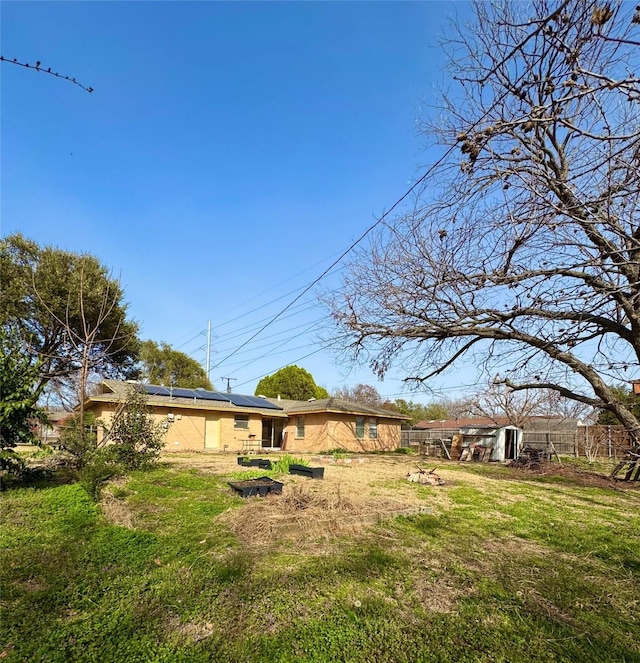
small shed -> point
(490, 442)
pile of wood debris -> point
(429, 478)
(531, 458)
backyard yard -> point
(171, 565)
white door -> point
(212, 433)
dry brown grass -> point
(191, 631)
(309, 510)
(115, 510)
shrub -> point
(136, 439)
(81, 441)
(96, 473)
(19, 411)
(132, 442)
(11, 466)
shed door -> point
(510, 451)
(212, 433)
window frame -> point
(360, 427)
(299, 426)
(241, 422)
(372, 425)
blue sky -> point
(229, 153)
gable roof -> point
(200, 399)
(336, 405)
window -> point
(241, 421)
(373, 429)
(360, 427)
(299, 426)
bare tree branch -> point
(39, 68)
(522, 251)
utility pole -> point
(209, 350)
(228, 383)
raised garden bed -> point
(303, 470)
(254, 462)
(260, 486)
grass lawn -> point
(363, 566)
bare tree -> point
(87, 344)
(522, 251)
(497, 401)
(361, 393)
(554, 405)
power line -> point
(244, 314)
(278, 342)
(296, 327)
(193, 338)
(243, 364)
(40, 69)
(343, 254)
(315, 352)
(236, 332)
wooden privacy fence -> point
(587, 441)
(429, 442)
(414, 438)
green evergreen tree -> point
(625, 396)
(161, 364)
(416, 412)
(51, 297)
(291, 382)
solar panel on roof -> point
(201, 394)
(152, 390)
(177, 392)
(263, 402)
(252, 401)
(211, 396)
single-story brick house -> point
(199, 420)
(333, 423)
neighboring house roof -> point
(50, 429)
(532, 423)
(541, 423)
(337, 405)
(56, 416)
(454, 424)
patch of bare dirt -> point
(438, 595)
(575, 476)
(191, 631)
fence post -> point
(575, 443)
(609, 441)
(586, 440)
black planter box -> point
(303, 470)
(261, 486)
(254, 462)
